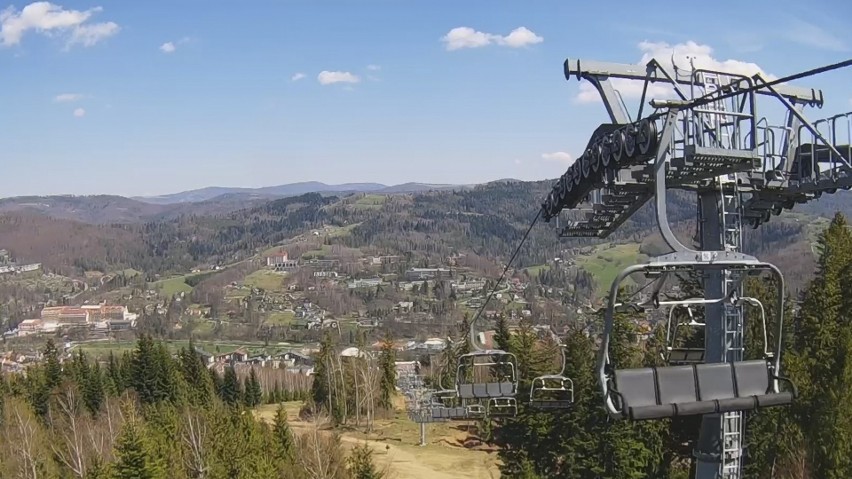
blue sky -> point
(152, 97)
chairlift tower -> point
(709, 139)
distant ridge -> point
(292, 189)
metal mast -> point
(707, 139)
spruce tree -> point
(501, 334)
(253, 393)
(387, 366)
(231, 392)
(361, 463)
(818, 363)
(133, 459)
(284, 440)
(52, 368)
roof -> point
(112, 309)
(73, 311)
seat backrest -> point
(493, 389)
(752, 377)
(637, 386)
(715, 381)
(507, 389)
(676, 384)
(480, 390)
(466, 390)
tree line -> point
(148, 414)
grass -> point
(395, 444)
(370, 202)
(102, 349)
(605, 262)
(281, 318)
(535, 270)
(342, 231)
(172, 286)
(322, 252)
(265, 279)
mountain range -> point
(291, 189)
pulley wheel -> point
(595, 162)
(598, 151)
(646, 136)
(630, 142)
(617, 147)
(586, 165)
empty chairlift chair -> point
(489, 377)
(552, 391)
(487, 374)
(445, 405)
(676, 353)
(692, 389)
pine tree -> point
(231, 392)
(133, 457)
(320, 389)
(501, 334)
(52, 368)
(361, 463)
(199, 383)
(253, 393)
(818, 363)
(283, 435)
(387, 366)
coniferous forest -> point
(150, 414)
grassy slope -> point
(607, 261)
(395, 442)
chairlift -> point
(676, 355)
(487, 374)
(502, 407)
(694, 389)
(552, 391)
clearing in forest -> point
(448, 453)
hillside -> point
(486, 221)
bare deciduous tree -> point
(194, 433)
(69, 427)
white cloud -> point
(327, 77)
(559, 157)
(669, 56)
(88, 35)
(815, 36)
(374, 67)
(79, 112)
(466, 37)
(298, 76)
(47, 18)
(67, 97)
(168, 47)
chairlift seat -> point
(502, 407)
(686, 356)
(551, 403)
(654, 393)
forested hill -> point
(488, 220)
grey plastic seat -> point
(653, 393)
(466, 391)
(676, 386)
(637, 390)
(753, 380)
(493, 390)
